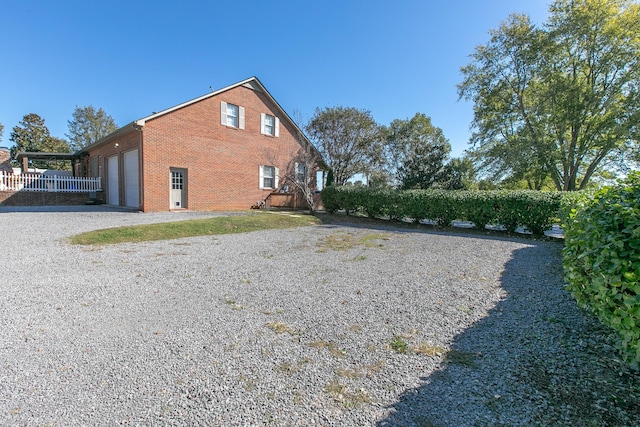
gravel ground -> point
(285, 328)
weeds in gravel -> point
(399, 345)
(281, 328)
(341, 241)
(233, 304)
(348, 399)
(332, 347)
(347, 373)
(355, 328)
(247, 383)
(427, 349)
(191, 228)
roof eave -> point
(130, 127)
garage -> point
(131, 179)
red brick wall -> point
(127, 141)
(222, 163)
(35, 198)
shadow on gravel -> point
(536, 359)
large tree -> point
(417, 152)
(348, 139)
(32, 135)
(88, 125)
(560, 101)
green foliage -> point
(416, 152)
(602, 258)
(32, 135)
(330, 179)
(399, 345)
(559, 101)
(191, 228)
(533, 210)
(88, 125)
(348, 140)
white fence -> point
(45, 183)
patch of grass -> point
(355, 328)
(399, 345)
(338, 241)
(359, 258)
(332, 347)
(347, 373)
(348, 399)
(281, 328)
(374, 240)
(427, 349)
(374, 368)
(192, 228)
(234, 305)
(341, 241)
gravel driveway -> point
(278, 327)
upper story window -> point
(269, 125)
(231, 115)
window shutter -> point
(223, 113)
(261, 175)
(241, 118)
(277, 130)
(262, 120)
(277, 177)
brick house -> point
(228, 149)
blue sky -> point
(393, 58)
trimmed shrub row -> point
(601, 258)
(533, 210)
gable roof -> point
(251, 83)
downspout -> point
(139, 125)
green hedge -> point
(533, 210)
(602, 258)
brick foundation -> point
(34, 198)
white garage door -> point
(112, 181)
(131, 179)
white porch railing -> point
(45, 183)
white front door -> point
(131, 179)
(178, 189)
(113, 190)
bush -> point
(530, 209)
(601, 258)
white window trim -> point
(263, 123)
(297, 172)
(223, 115)
(276, 177)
